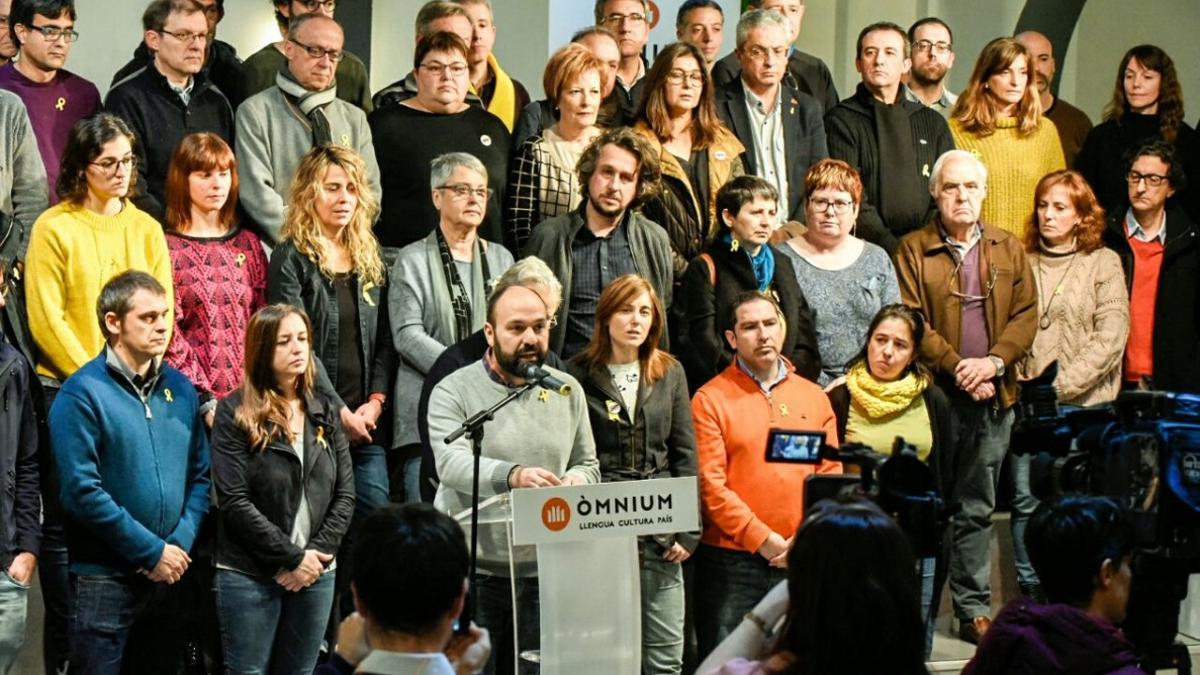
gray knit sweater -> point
(23, 191)
(273, 136)
(540, 428)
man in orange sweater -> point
(751, 508)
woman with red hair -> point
(219, 268)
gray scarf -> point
(311, 104)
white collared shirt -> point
(1134, 229)
(766, 132)
(399, 663)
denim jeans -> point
(370, 492)
(1023, 506)
(106, 611)
(266, 629)
(929, 610)
(494, 611)
(728, 584)
(13, 601)
(53, 574)
(982, 442)
(662, 614)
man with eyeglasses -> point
(973, 284)
(780, 127)
(170, 97)
(353, 82)
(1072, 123)
(1159, 250)
(436, 121)
(892, 142)
(805, 72)
(629, 22)
(932, 58)
(605, 237)
(276, 128)
(54, 97)
(222, 66)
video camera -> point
(901, 484)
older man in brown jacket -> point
(975, 287)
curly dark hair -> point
(625, 138)
(1170, 93)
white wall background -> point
(112, 28)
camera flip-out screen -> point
(801, 447)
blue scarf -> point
(763, 263)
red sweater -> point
(745, 498)
(1139, 350)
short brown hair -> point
(199, 152)
(598, 10)
(1089, 234)
(649, 172)
(442, 41)
(434, 10)
(567, 65)
(834, 174)
(157, 12)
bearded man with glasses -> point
(170, 97)
(977, 291)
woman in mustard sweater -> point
(93, 234)
(999, 118)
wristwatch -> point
(999, 363)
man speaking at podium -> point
(541, 439)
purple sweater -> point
(54, 107)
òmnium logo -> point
(556, 514)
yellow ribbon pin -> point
(366, 292)
(321, 437)
(61, 104)
(241, 259)
(346, 140)
(614, 410)
(544, 396)
(783, 409)
(168, 395)
(734, 246)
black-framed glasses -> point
(840, 206)
(1152, 179)
(314, 5)
(956, 275)
(618, 19)
(53, 33)
(187, 38)
(463, 191)
(109, 166)
(934, 47)
(334, 55)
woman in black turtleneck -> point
(1147, 105)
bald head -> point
(313, 49)
(1042, 52)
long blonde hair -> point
(303, 226)
(264, 412)
(975, 109)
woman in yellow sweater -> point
(999, 118)
(93, 234)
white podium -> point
(585, 539)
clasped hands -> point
(975, 376)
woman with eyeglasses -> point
(285, 489)
(999, 119)
(845, 279)
(330, 265)
(219, 267)
(1146, 105)
(92, 235)
(436, 121)
(439, 291)
(698, 155)
(543, 182)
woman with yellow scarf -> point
(888, 393)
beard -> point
(929, 74)
(599, 208)
(510, 362)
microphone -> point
(535, 373)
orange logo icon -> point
(556, 514)
(654, 14)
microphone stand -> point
(473, 427)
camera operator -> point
(1161, 256)
(889, 393)
(973, 283)
(1081, 548)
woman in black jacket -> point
(641, 419)
(741, 260)
(888, 394)
(285, 494)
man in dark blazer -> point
(781, 128)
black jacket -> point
(258, 491)
(703, 348)
(660, 442)
(20, 495)
(805, 73)
(160, 120)
(803, 136)
(295, 279)
(222, 67)
(851, 134)
(941, 457)
(1177, 306)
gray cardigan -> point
(273, 136)
(552, 239)
(23, 189)
(423, 320)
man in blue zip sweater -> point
(133, 460)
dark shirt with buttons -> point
(595, 261)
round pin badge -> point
(720, 155)
(486, 140)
